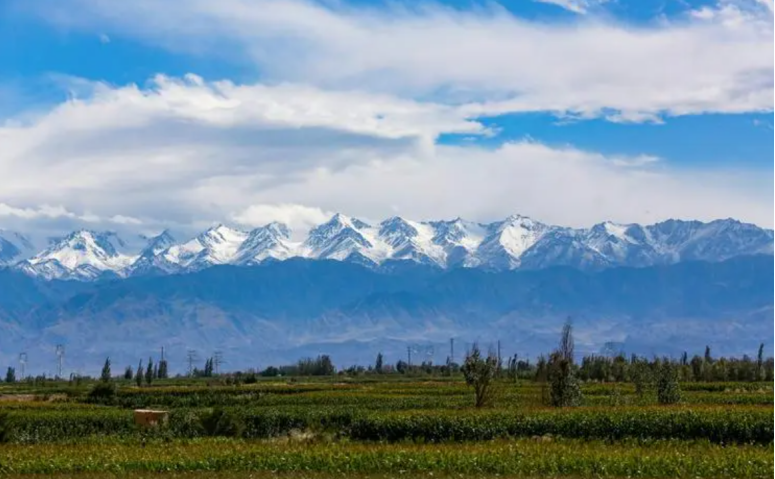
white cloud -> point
(59, 212)
(719, 59)
(575, 6)
(298, 218)
(187, 153)
(352, 101)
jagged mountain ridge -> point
(518, 242)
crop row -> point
(718, 425)
(398, 398)
(525, 457)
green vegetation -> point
(367, 426)
(630, 418)
(526, 458)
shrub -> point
(564, 387)
(221, 422)
(668, 388)
(103, 392)
(5, 428)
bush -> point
(221, 422)
(103, 392)
(5, 428)
(668, 388)
(564, 387)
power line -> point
(192, 357)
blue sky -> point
(298, 108)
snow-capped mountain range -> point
(516, 242)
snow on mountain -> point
(14, 247)
(149, 260)
(83, 254)
(343, 238)
(158, 243)
(508, 240)
(618, 244)
(459, 239)
(516, 242)
(217, 245)
(409, 240)
(715, 241)
(267, 242)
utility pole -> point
(409, 354)
(451, 350)
(23, 362)
(60, 352)
(192, 357)
(162, 353)
(499, 353)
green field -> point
(384, 427)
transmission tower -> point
(60, 352)
(22, 362)
(217, 361)
(192, 358)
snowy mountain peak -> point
(520, 222)
(511, 238)
(217, 245)
(346, 221)
(271, 241)
(83, 254)
(340, 237)
(158, 243)
(396, 229)
(278, 229)
(515, 242)
(333, 227)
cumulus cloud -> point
(188, 153)
(717, 59)
(299, 218)
(352, 101)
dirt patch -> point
(17, 397)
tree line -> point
(595, 367)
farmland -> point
(383, 426)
